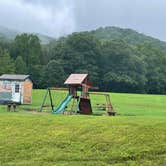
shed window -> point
(17, 88)
(6, 85)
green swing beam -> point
(48, 92)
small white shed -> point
(15, 89)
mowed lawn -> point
(136, 136)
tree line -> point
(114, 65)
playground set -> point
(78, 90)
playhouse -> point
(15, 89)
(82, 82)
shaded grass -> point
(46, 139)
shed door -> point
(16, 93)
(27, 97)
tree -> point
(111, 56)
(6, 63)
(28, 47)
(124, 70)
(20, 66)
(54, 74)
(156, 65)
(83, 54)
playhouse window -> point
(17, 88)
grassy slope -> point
(45, 139)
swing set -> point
(81, 101)
(50, 92)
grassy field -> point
(137, 136)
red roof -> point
(76, 79)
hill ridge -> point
(130, 36)
(9, 34)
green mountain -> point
(9, 34)
(130, 36)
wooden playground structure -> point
(78, 90)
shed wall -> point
(27, 92)
(7, 91)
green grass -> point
(137, 136)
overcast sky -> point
(60, 17)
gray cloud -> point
(144, 16)
(59, 17)
(36, 16)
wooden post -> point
(51, 99)
(14, 107)
(43, 102)
(8, 107)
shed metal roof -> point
(75, 79)
(18, 77)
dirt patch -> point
(35, 112)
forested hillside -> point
(128, 35)
(9, 34)
(119, 60)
